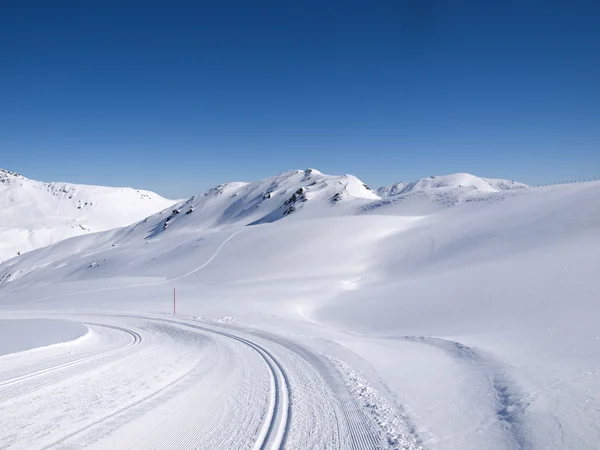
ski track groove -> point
(271, 434)
(361, 437)
(360, 433)
(278, 416)
(137, 339)
(201, 428)
(116, 413)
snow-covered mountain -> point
(457, 182)
(392, 189)
(34, 214)
(292, 195)
(307, 191)
(429, 194)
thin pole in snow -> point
(174, 301)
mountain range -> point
(36, 214)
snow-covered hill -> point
(429, 194)
(296, 194)
(462, 181)
(458, 181)
(293, 195)
(34, 214)
(471, 327)
(308, 192)
(392, 189)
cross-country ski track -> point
(145, 382)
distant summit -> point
(7, 176)
(392, 189)
(462, 181)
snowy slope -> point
(392, 189)
(298, 194)
(274, 198)
(456, 181)
(428, 195)
(459, 328)
(35, 214)
(463, 181)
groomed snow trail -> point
(163, 382)
(152, 382)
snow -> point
(461, 314)
(430, 195)
(462, 181)
(273, 198)
(35, 214)
(18, 335)
(392, 189)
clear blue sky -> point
(179, 96)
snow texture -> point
(19, 335)
(315, 313)
(35, 214)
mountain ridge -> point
(36, 214)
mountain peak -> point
(310, 171)
(392, 189)
(7, 176)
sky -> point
(177, 97)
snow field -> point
(34, 214)
(18, 335)
(418, 322)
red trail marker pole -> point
(174, 301)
